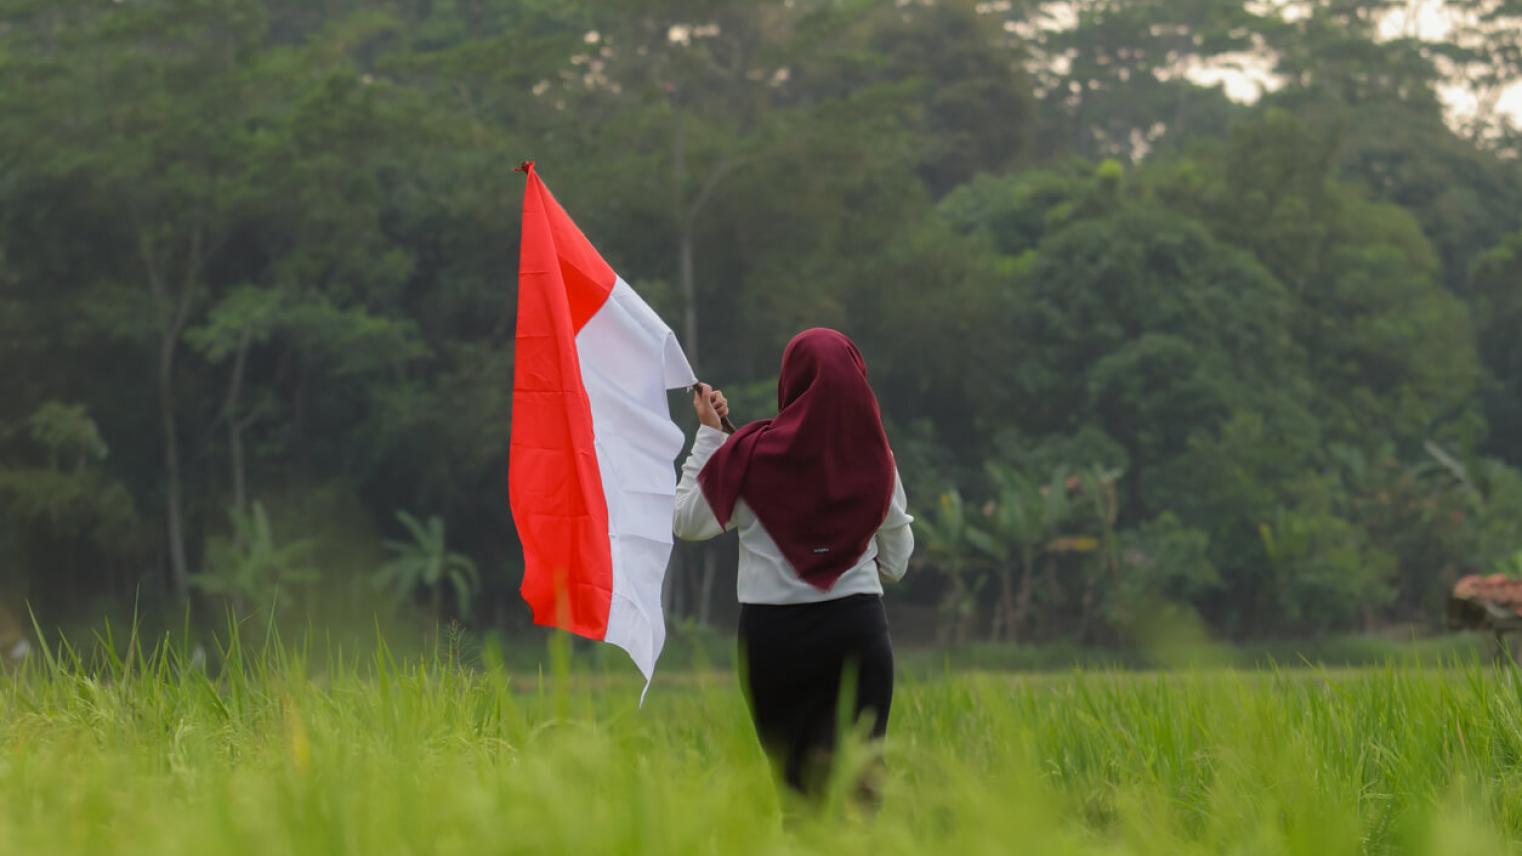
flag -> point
(591, 472)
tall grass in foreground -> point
(144, 752)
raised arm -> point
(694, 520)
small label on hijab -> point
(819, 550)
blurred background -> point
(1183, 313)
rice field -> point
(276, 751)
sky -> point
(1246, 77)
(1430, 19)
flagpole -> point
(729, 427)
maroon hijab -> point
(819, 476)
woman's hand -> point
(711, 406)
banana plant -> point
(252, 567)
(949, 538)
(1025, 520)
(1100, 491)
(426, 562)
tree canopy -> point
(258, 261)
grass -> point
(1332, 652)
(278, 752)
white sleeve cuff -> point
(707, 441)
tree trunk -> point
(235, 426)
(1012, 605)
(1054, 592)
(179, 573)
(1019, 624)
(298, 404)
(960, 613)
(949, 631)
(687, 213)
(996, 619)
(1005, 610)
(1085, 610)
(173, 304)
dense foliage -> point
(1144, 350)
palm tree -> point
(426, 562)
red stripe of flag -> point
(555, 488)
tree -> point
(1489, 37)
(68, 513)
(1379, 95)
(67, 431)
(288, 228)
(242, 319)
(162, 135)
(973, 108)
(1389, 347)
(1142, 322)
(1325, 572)
(1495, 291)
(1115, 80)
(1161, 562)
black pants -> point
(794, 660)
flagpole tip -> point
(525, 167)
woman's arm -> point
(694, 519)
(895, 538)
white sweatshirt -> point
(765, 575)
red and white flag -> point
(592, 477)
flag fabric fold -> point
(591, 473)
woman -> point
(822, 517)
